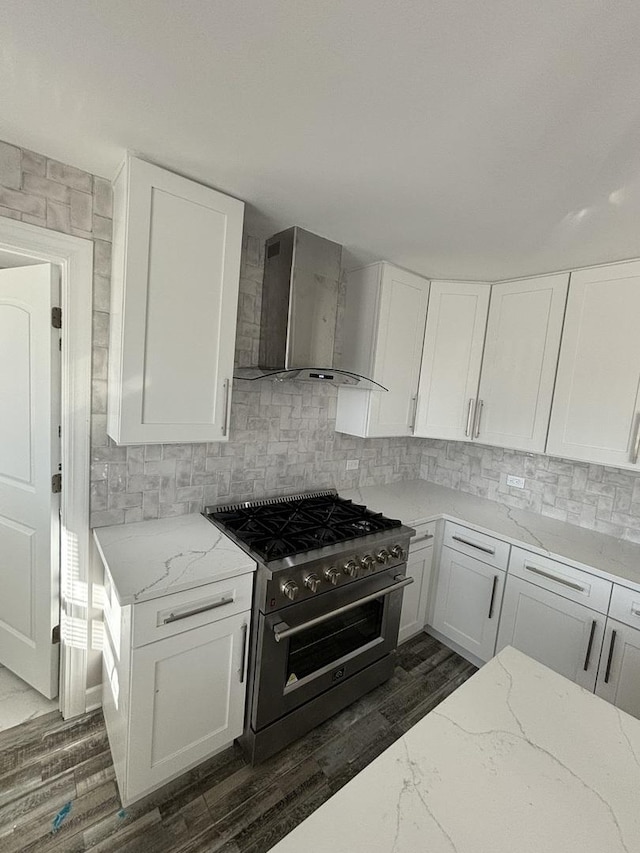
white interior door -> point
(29, 457)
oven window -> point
(323, 644)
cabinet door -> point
(563, 635)
(450, 371)
(596, 410)
(187, 700)
(467, 605)
(174, 300)
(619, 672)
(519, 363)
(415, 598)
(401, 321)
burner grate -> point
(284, 527)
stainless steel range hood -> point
(299, 312)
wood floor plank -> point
(223, 805)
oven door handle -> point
(282, 630)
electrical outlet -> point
(353, 464)
(516, 482)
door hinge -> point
(55, 635)
(56, 318)
(56, 484)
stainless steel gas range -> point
(326, 611)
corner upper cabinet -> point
(383, 333)
(450, 372)
(596, 406)
(174, 298)
(519, 363)
(494, 389)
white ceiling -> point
(459, 138)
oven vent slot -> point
(268, 501)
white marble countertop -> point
(416, 501)
(150, 559)
(517, 759)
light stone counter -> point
(517, 759)
(416, 501)
(150, 559)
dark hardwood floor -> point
(58, 792)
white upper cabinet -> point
(450, 372)
(519, 363)
(500, 395)
(383, 333)
(596, 410)
(176, 268)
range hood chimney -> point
(299, 312)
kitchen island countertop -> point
(416, 501)
(149, 559)
(516, 759)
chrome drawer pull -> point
(175, 617)
(493, 595)
(610, 658)
(467, 431)
(424, 539)
(474, 545)
(633, 458)
(225, 417)
(245, 628)
(479, 415)
(589, 645)
(555, 578)
(635, 612)
(282, 630)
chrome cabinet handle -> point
(225, 419)
(478, 416)
(474, 545)
(636, 444)
(467, 431)
(610, 658)
(424, 539)
(587, 657)
(412, 426)
(635, 612)
(493, 595)
(282, 630)
(243, 660)
(176, 617)
(552, 577)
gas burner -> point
(299, 524)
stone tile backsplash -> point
(282, 436)
(603, 499)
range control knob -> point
(383, 555)
(367, 562)
(351, 569)
(397, 551)
(290, 589)
(332, 575)
(312, 582)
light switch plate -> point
(353, 464)
(516, 482)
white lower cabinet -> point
(557, 632)
(619, 673)
(173, 702)
(467, 602)
(415, 601)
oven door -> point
(305, 649)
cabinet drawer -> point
(478, 545)
(424, 535)
(625, 606)
(566, 581)
(182, 611)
